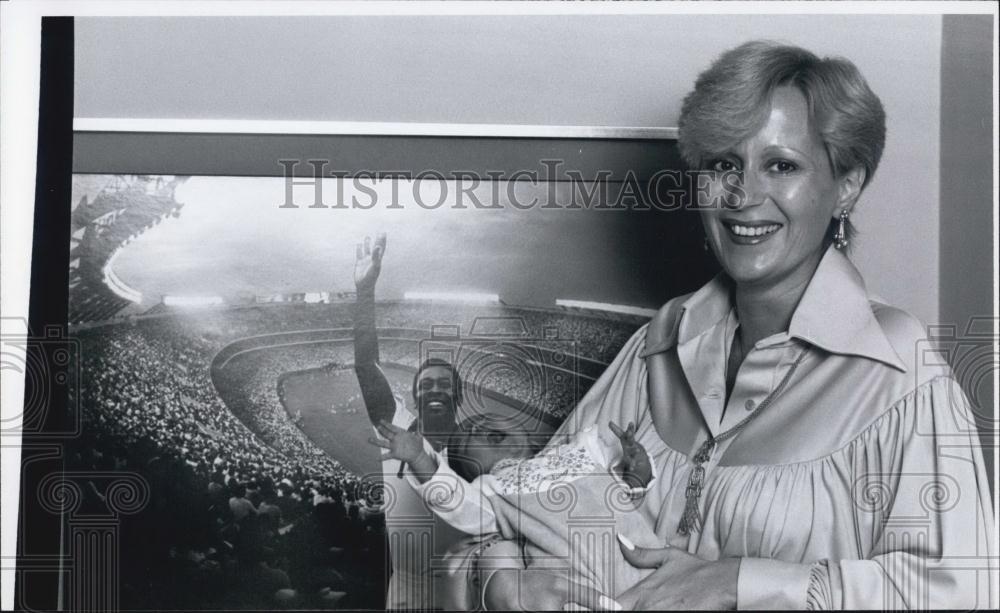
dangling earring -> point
(704, 245)
(840, 238)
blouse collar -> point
(834, 314)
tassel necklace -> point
(691, 519)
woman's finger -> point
(359, 252)
(589, 598)
(380, 241)
(368, 245)
(644, 557)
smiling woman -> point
(797, 435)
(819, 117)
(774, 228)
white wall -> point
(582, 70)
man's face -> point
(435, 397)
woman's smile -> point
(772, 223)
(750, 232)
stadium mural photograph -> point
(220, 319)
(533, 309)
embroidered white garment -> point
(566, 503)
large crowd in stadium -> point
(236, 501)
(244, 504)
(245, 510)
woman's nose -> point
(747, 190)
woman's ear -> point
(850, 185)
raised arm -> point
(375, 390)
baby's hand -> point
(402, 444)
(634, 466)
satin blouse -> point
(860, 485)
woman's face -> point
(772, 215)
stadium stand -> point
(149, 405)
(246, 510)
(101, 225)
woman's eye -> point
(723, 166)
(784, 166)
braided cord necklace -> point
(691, 519)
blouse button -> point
(750, 404)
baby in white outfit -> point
(567, 503)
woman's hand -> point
(538, 590)
(680, 581)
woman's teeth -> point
(753, 230)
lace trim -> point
(561, 464)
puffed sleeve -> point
(921, 490)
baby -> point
(567, 503)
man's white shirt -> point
(418, 539)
